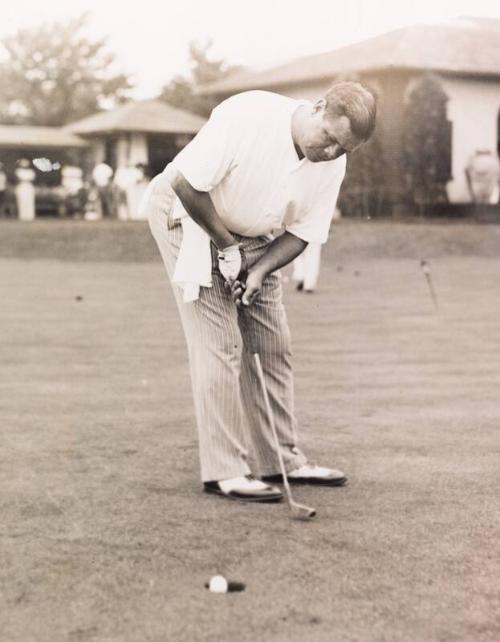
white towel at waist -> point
(193, 268)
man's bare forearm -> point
(281, 251)
(200, 208)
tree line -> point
(55, 74)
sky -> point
(151, 39)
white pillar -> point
(138, 151)
(25, 193)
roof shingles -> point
(464, 46)
(20, 136)
(149, 116)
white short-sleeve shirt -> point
(245, 158)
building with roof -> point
(54, 143)
(21, 137)
(48, 149)
(465, 54)
(147, 132)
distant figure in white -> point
(71, 179)
(483, 177)
(25, 190)
(101, 177)
(307, 265)
(130, 183)
(135, 190)
(3, 191)
(306, 268)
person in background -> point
(92, 206)
(72, 186)
(124, 179)
(306, 268)
(101, 177)
(3, 192)
(483, 177)
(134, 189)
(139, 189)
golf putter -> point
(299, 511)
(427, 273)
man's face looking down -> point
(326, 137)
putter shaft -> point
(300, 511)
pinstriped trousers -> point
(233, 430)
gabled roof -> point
(464, 46)
(20, 136)
(150, 116)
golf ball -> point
(218, 584)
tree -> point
(181, 91)
(427, 143)
(54, 74)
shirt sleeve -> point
(313, 225)
(208, 158)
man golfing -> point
(243, 199)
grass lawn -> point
(105, 534)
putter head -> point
(302, 512)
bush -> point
(427, 144)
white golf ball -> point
(218, 584)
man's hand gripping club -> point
(245, 292)
(233, 266)
(279, 253)
(244, 286)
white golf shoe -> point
(246, 489)
(311, 474)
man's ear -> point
(319, 105)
